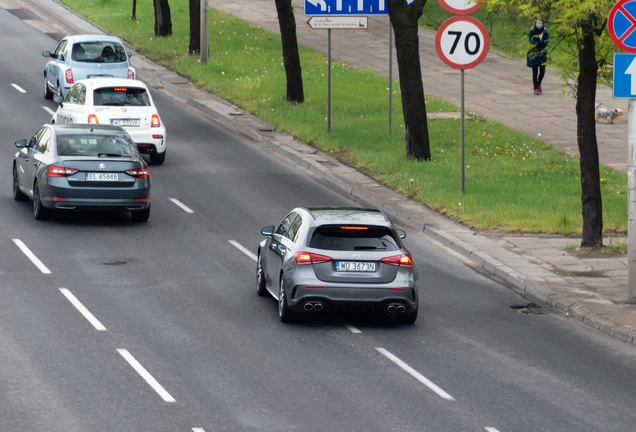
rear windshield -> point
(94, 145)
(121, 96)
(353, 238)
(99, 52)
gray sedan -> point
(81, 167)
(337, 259)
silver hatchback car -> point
(337, 259)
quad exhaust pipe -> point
(313, 306)
(395, 308)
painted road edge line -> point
(415, 374)
(18, 88)
(82, 309)
(145, 375)
(243, 249)
(184, 207)
(48, 110)
(30, 255)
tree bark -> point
(195, 27)
(586, 137)
(291, 59)
(407, 46)
(163, 23)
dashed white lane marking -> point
(197, 430)
(146, 375)
(184, 207)
(415, 374)
(18, 88)
(349, 327)
(31, 256)
(242, 249)
(82, 309)
(48, 110)
(491, 429)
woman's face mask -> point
(539, 26)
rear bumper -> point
(146, 143)
(80, 204)
(59, 196)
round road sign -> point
(621, 25)
(461, 7)
(462, 42)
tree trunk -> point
(163, 23)
(291, 59)
(586, 137)
(407, 46)
(195, 27)
(134, 10)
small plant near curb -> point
(613, 249)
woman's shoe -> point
(536, 92)
(540, 89)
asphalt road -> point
(117, 326)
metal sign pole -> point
(204, 32)
(390, 78)
(329, 81)
(461, 127)
(631, 201)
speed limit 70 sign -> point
(462, 42)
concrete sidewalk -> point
(592, 290)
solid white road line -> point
(421, 378)
(18, 88)
(351, 328)
(31, 256)
(182, 205)
(146, 375)
(48, 110)
(242, 249)
(80, 307)
(491, 429)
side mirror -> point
(401, 233)
(267, 231)
(21, 143)
(129, 54)
(46, 54)
(58, 99)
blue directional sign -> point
(625, 76)
(347, 7)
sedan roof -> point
(348, 215)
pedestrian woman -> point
(537, 54)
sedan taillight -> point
(92, 118)
(69, 76)
(398, 260)
(131, 74)
(155, 121)
(141, 173)
(58, 171)
(304, 258)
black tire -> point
(158, 158)
(261, 289)
(141, 215)
(408, 318)
(48, 94)
(285, 314)
(40, 212)
(18, 195)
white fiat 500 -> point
(119, 102)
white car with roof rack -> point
(119, 102)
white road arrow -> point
(631, 70)
(323, 5)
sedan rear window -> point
(98, 52)
(121, 96)
(94, 145)
(353, 238)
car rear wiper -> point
(365, 248)
(109, 155)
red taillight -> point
(303, 258)
(398, 260)
(155, 122)
(58, 171)
(92, 118)
(354, 228)
(396, 289)
(131, 74)
(139, 172)
(69, 76)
